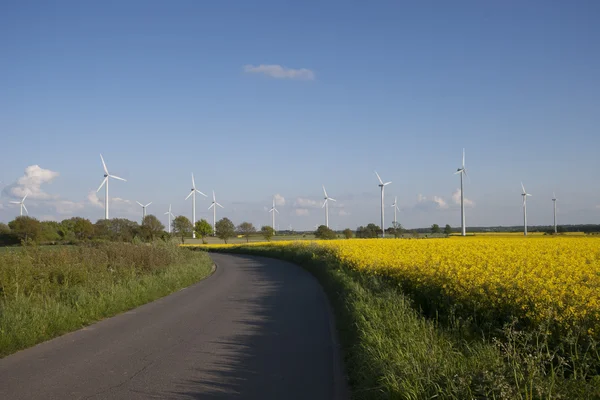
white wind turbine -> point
(143, 209)
(326, 205)
(214, 205)
(382, 186)
(554, 201)
(22, 204)
(274, 210)
(462, 171)
(105, 183)
(170, 214)
(193, 194)
(524, 194)
(395, 205)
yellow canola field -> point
(533, 276)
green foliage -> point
(448, 229)
(49, 232)
(324, 232)
(116, 230)
(369, 231)
(151, 228)
(4, 228)
(225, 229)
(435, 228)
(348, 233)
(182, 227)
(267, 232)
(246, 229)
(203, 228)
(27, 229)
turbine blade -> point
(276, 210)
(25, 208)
(24, 197)
(271, 210)
(102, 184)
(324, 191)
(214, 199)
(528, 195)
(378, 177)
(116, 177)
(522, 186)
(219, 205)
(148, 204)
(104, 165)
(172, 215)
(188, 196)
(387, 183)
(458, 172)
(141, 205)
(463, 164)
(325, 202)
(193, 181)
(167, 213)
(15, 202)
(329, 198)
(201, 193)
(211, 206)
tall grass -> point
(47, 291)
(392, 351)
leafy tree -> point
(225, 229)
(246, 229)
(49, 231)
(80, 228)
(324, 232)
(348, 233)
(369, 231)
(396, 230)
(448, 229)
(267, 232)
(203, 228)
(435, 228)
(4, 228)
(27, 229)
(151, 227)
(182, 227)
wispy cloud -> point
(279, 200)
(456, 199)
(436, 202)
(343, 213)
(31, 184)
(279, 72)
(306, 203)
(301, 212)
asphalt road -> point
(257, 329)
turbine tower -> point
(326, 205)
(395, 205)
(105, 183)
(274, 210)
(143, 210)
(214, 205)
(22, 204)
(382, 186)
(462, 171)
(524, 194)
(193, 194)
(554, 201)
(170, 214)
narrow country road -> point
(257, 329)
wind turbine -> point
(554, 201)
(214, 205)
(326, 205)
(274, 210)
(524, 194)
(143, 209)
(170, 214)
(22, 204)
(382, 186)
(193, 194)
(462, 171)
(395, 205)
(105, 184)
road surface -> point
(257, 329)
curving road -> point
(257, 329)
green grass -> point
(391, 351)
(48, 291)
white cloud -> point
(94, 200)
(30, 184)
(279, 72)
(440, 202)
(279, 200)
(301, 211)
(436, 202)
(68, 207)
(421, 198)
(456, 198)
(306, 203)
(343, 213)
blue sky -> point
(277, 97)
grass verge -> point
(46, 292)
(391, 351)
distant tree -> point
(82, 228)
(4, 229)
(448, 229)
(324, 232)
(396, 230)
(225, 229)
(151, 227)
(435, 228)
(49, 231)
(27, 229)
(123, 230)
(182, 227)
(203, 229)
(246, 229)
(348, 233)
(267, 232)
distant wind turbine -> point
(326, 205)
(462, 171)
(395, 205)
(143, 209)
(170, 214)
(382, 186)
(525, 195)
(554, 201)
(274, 210)
(214, 205)
(22, 204)
(193, 194)
(105, 184)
